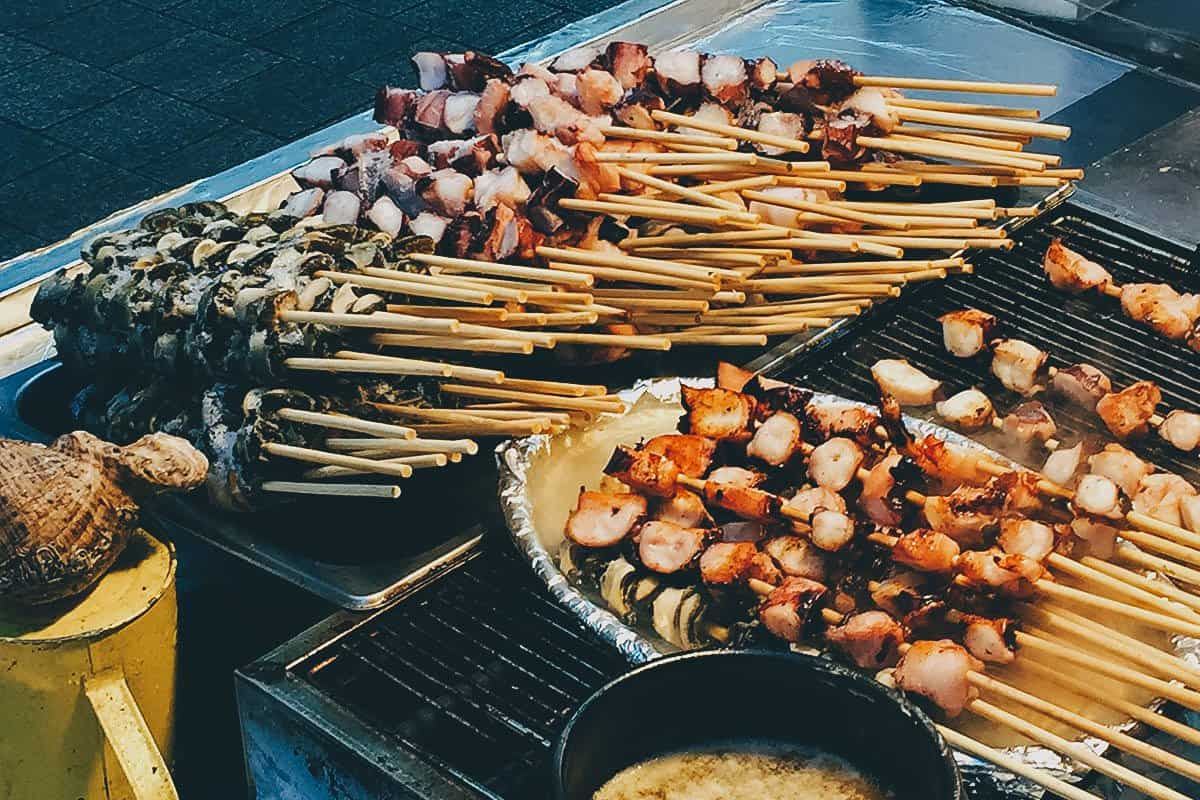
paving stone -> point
(137, 126)
(157, 5)
(14, 242)
(396, 68)
(223, 149)
(243, 19)
(290, 99)
(17, 15)
(383, 8)
(16, 52)
(338, 38)
(24, 151)
(25, 99)
(490, 26)
(196, 65)
(107, 33)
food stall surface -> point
(216, 587)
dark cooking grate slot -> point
(476, 673)
(1012, 286)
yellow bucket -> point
(87, 687)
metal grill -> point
(477, 673)
(1013, 286)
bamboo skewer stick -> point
(463, 313)
(650, 265)
(736, 214)
(634, 276)
(517, 347)
(981, 751)
(699, 159)
(949, 150)
(965, 108)
(677, 190)
(379, 319)
(828, 209)
(337, 459)
(738, 184)
(1179, 572)
(1162, 588)
(594, 404)
(864, 176)
(378, 366)
(939, 84)
(976, 140)
(427, 461)
(465, 446)
(645, 135)
(982, 122)
(459, 371)
(927, 210)
(496, 268)
(332, 489)
(744, 134)
(478, 421)
(413, 284)
(345, 423)
(1127, 591)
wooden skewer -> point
(629, 209)
(453, 343)
(949, 150)
(634, 276)
(947, 177)
(908, 132)
(465, 446)
(496, 268)
(477, 421)
(344, 423)
(651, 265)
(744, 134)
(1020, 768)
(415, 285)
(426, 461)
(635, 303)
(595, 404)
(688, 239)
(645, 135)
(862, 176)
(332, 489)
(1179, 572)
(736, 213)
(511, 412)
(337, 459)
(1118, 587)
(926, 210)
(965, 108)
(677, 190)
(736, 185)
(939, 84)
(718, 339)
(557, 387)
(459, 371)
(1162, 588)
(450, 312)
(983, 122)
(828, 209)
(379, 319)
(378, 366)
(490, 287)
(701, 159)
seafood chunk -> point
(341, 208)
(1162, 308)
(744, 501)
(683, 508)
(430, 111)
(990, 640)
(926, 550)
(727, 563)
(871, 640)
(806, 502)
(831, 529)
(965, 514)
(429, 224)
(459, 113)
(1097, 496)
(598, 91)
(1189, 512)
(318, 172)
(578, 59)
(386, 215)
(470, 71)
(1063, 465)
(1082, 384)
(779, 215)
(718, 413)
(828, 81)
(968, 410)
(489, 111)
(786, 611)
(432, 71)
(602, 519)
(533, 153)
(1030, 421)
(1127, 413)
(304, 204)
(666, 548)
(725, 80)
(394, 106)
(1018, 365)
(636, 109)
(900, 594)
(776, 439)
(762, 72)
(709, 112)
(629, 63)
(822, 422)
(1070, 271)
(1181, 430)
(1120, 466)
(1159, 495)
(937, 670)
(834, 463)
(878, 499)
(948, 463)
(966, 332)
(873, 101)
(784, 124)
(1012, 575)
(644, 471)
(678, 73)
(1097, 538)
(909, 385)
(498, 186)
(446, 191)
(692, 454)
(736, 476)
(1026, 537)
(797, 556)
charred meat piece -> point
(909, 385)
(683, 508)
(601, 519)
(1181, 430)
(446, 191)
(937, 670)
(727, 563)
(926, 550)
(776, 440)
(965, 514)
(1098, 496)
(900, 594)
(1120, 466)
(879, 499)
(797, 556)
(678, 74)
(828, 81)
(1012, 575)
(644, 471)
(666, 548)
(1160, 496)
(762, 72)
(841, 136)
(489, 111)
(1082, 384)
(394, 106)
(470, 71)
(1095, 538)
(965, 333)
(1030, 421)
(787, 611)
(992, 640)
(1071, 272)
(718, 413)
(1063, 465)
(1127, 413)
(831, 529)
(822, 422)
(1018, 365)
(629, 62)
(1026, 537)
(725, 80)
(871, 640)
(637, 107)
(806, 502)
(692, 454)
(834, 464)
(744, 501)
(736, 476)
(1168, 312)
(873, 102)
(969, 410)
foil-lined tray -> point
(638, 644)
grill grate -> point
(476, 673)
(1071, 329)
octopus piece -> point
(1168, 312)
(1189, 512)
(712, 113)
(644, 471)
(841, 136)
(1018, 365)
(432, 70)
(926, 550)
(666, 548)
(1159, 495)
(831, 530)
(725, 80)
(776, 439)
(683, 508)
(500, 186)
(303, 204)
(965, 333)
(630, 63)
(386, 215)
(1097, 538)
(429, 224)
(784, 124)
(727, 563)
(718, 413)
(459, 114)
(446, 191)
(678, 74)
(878, 499)
(1127, 413)
(828, 81)
(636, 109)
(1063, 465)
(394, 106)
(1026, 537)
(797, 557)
(786, 611)
(806, 502)
(969, 410)
(1181, 430)
(1070, 271)
(822, 422)
(566, 86)
(743, 501)
(946, 462)
(533, 153)
(430, 111)
(743, 531)
(524, 89)
(1082, 384)
(834, 463)
(937, 671)
(553, 115)
(578, 59)
(780, 215)
(1120, 466)
(909, 385)
(900, 594)
(341, 208)
(1028, 422)
(1012, 575)
(318, 172)
(692, 454)
(965, 514)
(602, 519)
(598, 91)
(762, 72)
(873, 102)
(1020, 490)
(1097, 496)
(771, 396)
(991, 640)
(736, 476)
(415, 167)
(871, 640)
(489, 111)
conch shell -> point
(67, 510)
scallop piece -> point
(1026, 537)
(969, 410)
(718, 413)
(831, 529)
(1063, 465)
(602, 519)
(1082, 384)
(683, 508)
(806, 502)
(787, 610)
(1030, 421)
(692, 454)
(1127, 413)
(871, 640)
(341, 208)
(965, 333)
(797, 556)
(1162, 308)
(1120, 466)
(678, 73)
(776, 439)
(834, 463)
(926, 550)
(667, 548)
(727, 563)
(598, 91)
(1071, 272)
(990, 640)
(1181, 430)
(909, 385)
(1018, 365)
(1098, 496)
(1189, 512)
(1160, 494)
(937, 670)
(725, 80)
(736, 476)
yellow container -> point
(87, 687)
